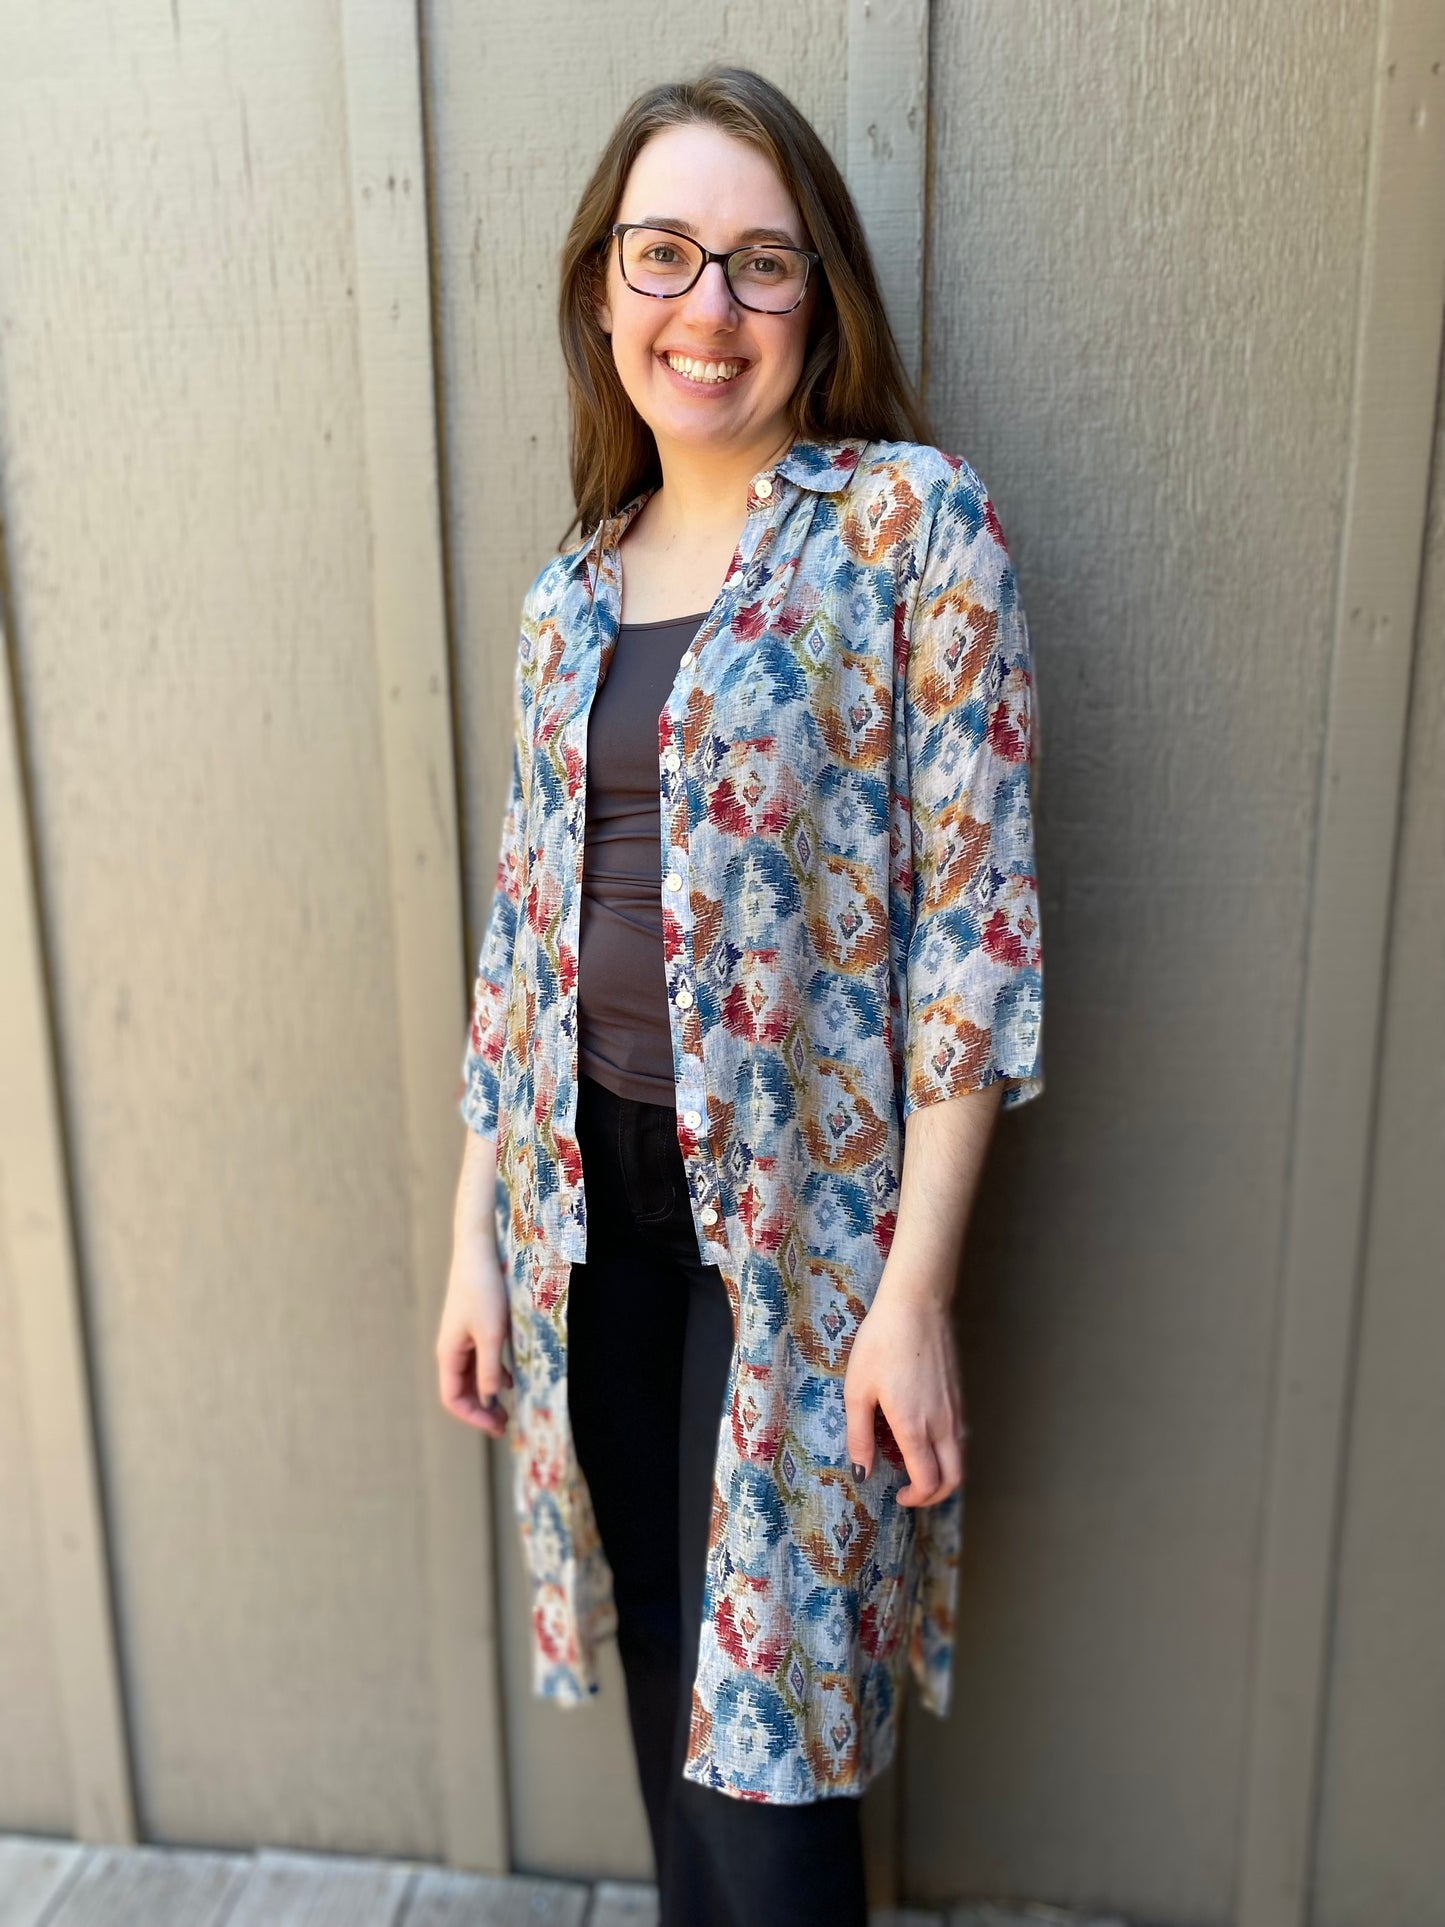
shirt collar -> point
(824, 467)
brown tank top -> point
(623, 1036)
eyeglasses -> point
(767, 278)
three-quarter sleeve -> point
(486, 1033)
(973, 995)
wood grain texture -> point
(394, 316)
(148, 1887)
(887, 154)
(468, 1900)
(1379, 1857)
(319, 1890)
(188, 542)
(1147, 353)
(1402, 293)
(33, 1746)
(67, 1665)
(33, 1875)
(624, 1903)
(1150, 230)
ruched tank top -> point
(623, 1036)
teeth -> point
(703, 370)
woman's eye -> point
(764, 264)
(663, 255)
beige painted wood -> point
(885, 166)
(1145, 302)
(389, 200)
(1379, 1853)
(35, 1790)
(33, 1875)
(188, 530)
(150, 1887)
(888, 153)
(1145, 240)
(1402, 291)
(34, 1771)
(37, 1237)
(514, 137)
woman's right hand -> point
(476, 1318)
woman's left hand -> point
(904, 1361)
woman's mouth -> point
(700, 373)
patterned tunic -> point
(851, 930)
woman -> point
(765, 897)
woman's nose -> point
(710, 297)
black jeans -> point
(649, 1342)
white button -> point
(674, 881)
(735, 578)
(670, 759)
(683, 998)
(709, 1216)
(763, 487)
(686, 658)
(692, 1119)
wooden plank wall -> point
(1151, 355)
(1378, 1842)
(1143, 257)
(186, 494)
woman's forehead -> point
(698, 177)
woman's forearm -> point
(943, 1156)
(476, 1185)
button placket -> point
(606, 584)
(704, 1184)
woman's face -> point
(724, 193)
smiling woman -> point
(725, 163)
(765, 900)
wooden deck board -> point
(1027, 1916)
(446, 1899)
(148, 1887)
(46, 1882)
(321, 1890)
(33, 1873)
(623, 1903)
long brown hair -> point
(853, 382)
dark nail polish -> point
(859, 1472)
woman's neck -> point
(706, 489)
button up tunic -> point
(851, 932)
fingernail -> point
(859, 1472)
(489, 1401)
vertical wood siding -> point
(1146, 229)
(185, 490)
(1379, 1845)
(1140, 248)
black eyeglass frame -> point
(619, 228)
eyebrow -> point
(780, 235)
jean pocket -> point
(645, 1147)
